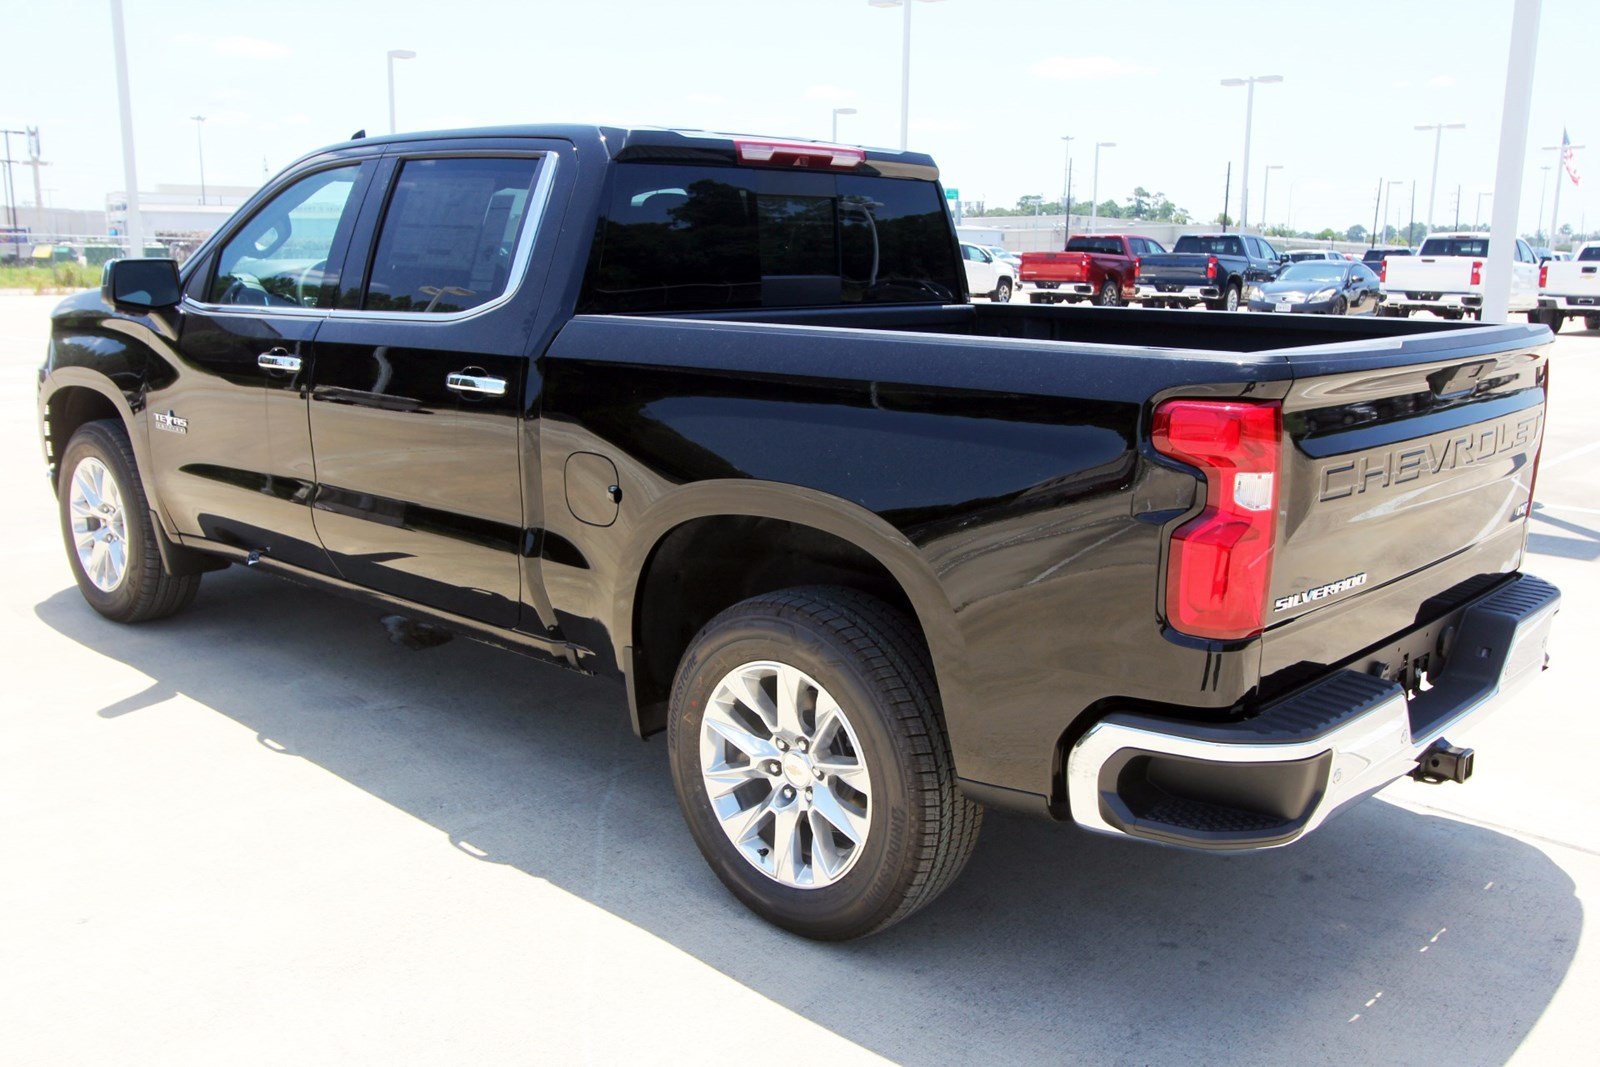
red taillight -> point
(1136, 270)
(1477, 272)
(1383, 270)
(1544, 275)
(788, 154)
(1211, 269)
(1220, 562)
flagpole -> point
(1563, 152)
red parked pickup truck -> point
(1101, 268)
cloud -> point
(1441, 81)
(1084, 68)
(831, 93)
(238, 47)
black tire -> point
(1109, 297)
(1451, 316)
(921, 829)
(1338, 307)
(1229, 301)
(1555, 320)
(1002, 292)
(147, 590)
(1591, 322)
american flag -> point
(1566, 157)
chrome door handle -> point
(278, 359)
(475, 384)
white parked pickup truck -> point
(1572, 287)
(1446, 277)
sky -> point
(995, 85)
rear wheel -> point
(109, 532)
(811, 762)
(1591, 322)
(1108, 296)
(1452, 316)
(1229, 301)
(1002, 292)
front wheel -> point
(1339, 307)
(1002, 292)
(109, 532)
(811, 762)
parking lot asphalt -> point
(263, 832)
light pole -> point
(905, 64)
(1094, 186)
(1438, 129)
(200, 146)
(1555, 211)
(1544, 187)
(130, 176)
(1266, 184)
(1477, 213)
(394, 54)
(1249, 114)
(1388, 202)
(1066, 196)
(836, 113)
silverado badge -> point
(1294, 600)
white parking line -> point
(1574, 454)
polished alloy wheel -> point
(785, 774)
(99, 524)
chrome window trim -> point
(532, 223)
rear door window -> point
(450, 233)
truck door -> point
(234, 460)
(416, 406)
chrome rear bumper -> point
(1272, 779)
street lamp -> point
(1478, 213)
(1438, 129)
(1388, 202)
(1094, 186)
(200, 146)
(1066, 196)
(1266, 185)
(836, 113)
(1555, 211)
(394, 54)
(1249, 114)
(905, 63)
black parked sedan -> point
(1314, 288)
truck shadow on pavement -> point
(1381, 932)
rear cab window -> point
(1455, 246)
(1111, 246)
(1590, 254)
(676, 238)
(1210, 246)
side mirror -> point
(143, 284)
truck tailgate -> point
(1055, 267)
(1433, 274)
(1175, 269)
(1399, 486)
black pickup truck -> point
(1210, 269)
(711, 416)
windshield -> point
(1456, 246)
(681, 238)
(1211, 246)
(1108, 245)
(1313, 272)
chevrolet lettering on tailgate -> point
(1397, 466)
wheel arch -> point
(786, 535)
(72, 396)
